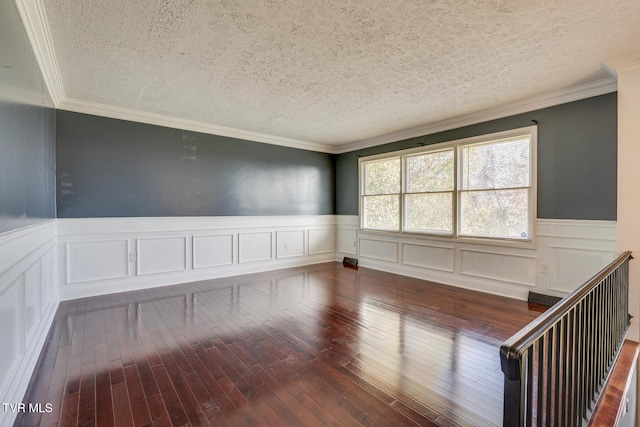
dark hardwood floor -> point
(319, 345)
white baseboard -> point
(476, 284)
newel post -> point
(513, 399)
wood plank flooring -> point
(321, 345)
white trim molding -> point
(37, 28)
(166, 251)
(562, 96)
(28, 301)
(130, 114)
(567, 253)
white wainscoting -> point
(573, 252)
(28, 302)
(157, 255)
(113, 255)
(566, 253)
(212, 250)
(502, 266)
(290, 244)
(380, 249)
(347, 235)
(105, 255)
(74, 258)
(255, 247)
(440, 258)
(322, 241)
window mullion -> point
(403, 191)
(455, 222)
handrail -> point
(568, 330)
(524, 337)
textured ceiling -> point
(331, 72)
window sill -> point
(483, 241)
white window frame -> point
(529, 241)
(405, 191)
(399, 194)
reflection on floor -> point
(316, 345)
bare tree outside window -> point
(429, 192)
(495, 189)
(381, 201)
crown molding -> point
(562, 96)
(35, 24)
(87, 107)
(575, 93)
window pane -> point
(430, 212)
(495, 165)
(381, 212)
(430, 172)
(382, 177)
(501, 213)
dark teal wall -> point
(577, 158)
(116, 168)
(110, 167)
(27, 130)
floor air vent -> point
(350, 262)
(542, 299)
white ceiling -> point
(323, 74)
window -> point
(428, 199)
(480, 187)
(381, 196)
(494, 189)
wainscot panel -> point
(97, 260)
(348, 242)
(161, 255)
(562, 256)
(32, 290)
(170, 250)
(382, 250)
(322, 241)
(11, 331)
(212, 250)
(568, 264)
(28, 302)
(347, 234)
(434, 257)
(517, 269)
(289, 243)
(571, 252)
(255, 247)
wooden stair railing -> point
(556, 366)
